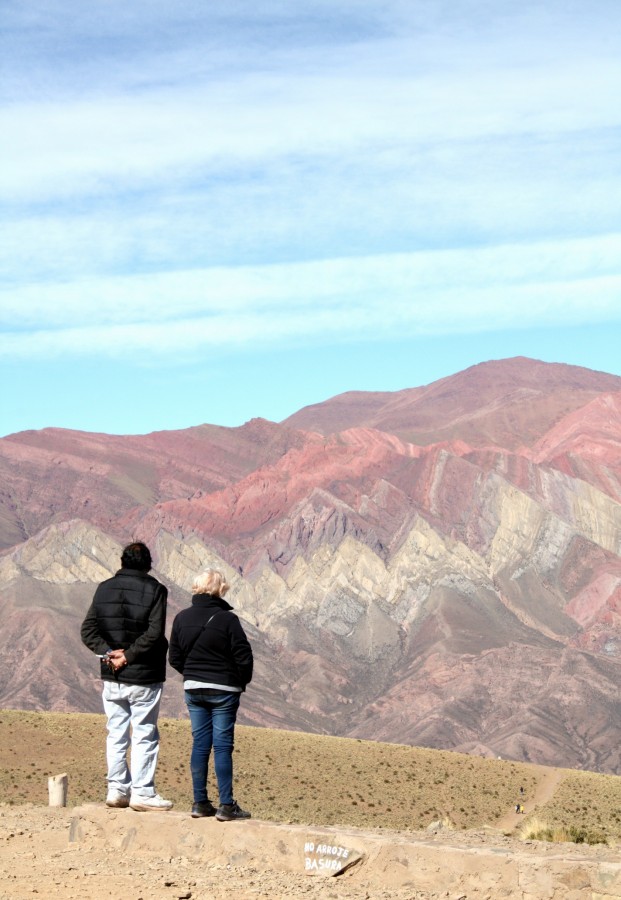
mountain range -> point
(437, 566)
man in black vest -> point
(125, 627)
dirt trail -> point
(545, 791)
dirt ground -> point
(37, 859)
(376, 787)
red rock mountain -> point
(438, 566)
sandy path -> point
(545, 791)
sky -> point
(216, 211)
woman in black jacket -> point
(210, 649)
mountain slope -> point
(507, 403)
(446, 570)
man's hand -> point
(117, 659)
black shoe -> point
(227, 812)
(200, 810)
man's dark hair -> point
(136, 556)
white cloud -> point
(505, 287)
(401, 313)
(55, 150)
(141, 192)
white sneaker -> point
(150, 804)
(117, 800)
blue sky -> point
(214, 211)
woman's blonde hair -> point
(210, 582)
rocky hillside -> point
(438, 566)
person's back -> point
(209, 647)
(130, 612)
(125, 626)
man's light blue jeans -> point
(212, 717)
(137, 705)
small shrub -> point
(536, 830)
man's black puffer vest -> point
(129, 612)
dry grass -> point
(285, 776)
(537, 830)
(531, 828)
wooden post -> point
(57, 787)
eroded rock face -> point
(464, 593)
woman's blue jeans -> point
(212, 717)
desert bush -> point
(537, 830)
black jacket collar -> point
(210, 600)
(134, 572)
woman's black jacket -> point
(218, 653)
